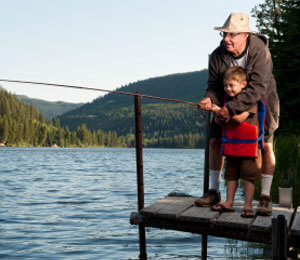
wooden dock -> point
(179, 213)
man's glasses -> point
(230, 35)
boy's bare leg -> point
(249, 188)
(230, 193)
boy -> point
(243, 158)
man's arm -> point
(214, 89)
(260, 72)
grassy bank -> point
(287, 171)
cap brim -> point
(219, 28)
(231, 31)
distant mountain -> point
(114, 112)
(188, 86)
(50, 109)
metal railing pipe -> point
(139, 170)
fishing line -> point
(102, 90)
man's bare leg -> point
(268, 159)
(267, 170)
(216, 162)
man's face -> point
(235, 42)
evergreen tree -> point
(27, 132)
(42, 135)
(68, 137)
(100, 137)
(280, 21)
(4, 130)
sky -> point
(106, 44)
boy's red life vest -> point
(241, 140)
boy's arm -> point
(240, 117)
(206, 104)
(236, 118)
(214, 108)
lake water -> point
(76, 204)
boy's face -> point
(233, 87)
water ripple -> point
(76, 203)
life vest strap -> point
(244, 141)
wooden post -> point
(206, 180)
(139, 170)
(279, 238)
(206, 159)
(204, 247)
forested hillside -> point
(162, 121)
(22, 125)
(50, 109)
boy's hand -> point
(205, 103)
(223, 115)
(215, 108)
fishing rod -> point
(102, 90)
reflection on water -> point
(76, 204)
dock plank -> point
(295, 229)
(264, 223)
(234, 219)
(206, 215)
(177, 206)
(152, 209)
(199, 214)
(169, 207)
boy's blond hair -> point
(235, 73)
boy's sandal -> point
(221, 208)
(247, 213)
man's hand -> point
(223, 115)
(205, 103)
(215, 108)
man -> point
(245, 48)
